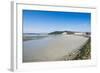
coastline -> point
(85, 52)
(53, 48)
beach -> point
(53, 48)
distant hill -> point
(56, 32)
(60, 32)
(68, 32)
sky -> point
(35, 21)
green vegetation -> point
(56, 32)
(85, 52)
(60, 32)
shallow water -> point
(51, 48)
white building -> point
(64, 33)
(80, 33)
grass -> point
(85, 52)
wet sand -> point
(53, 48)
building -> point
(80, 33)
(64, 33)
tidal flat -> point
(53, 48)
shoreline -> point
(85, 52)
(53, 48)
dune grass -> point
(85, 52)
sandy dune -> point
(52, 48)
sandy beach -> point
(53, 48)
